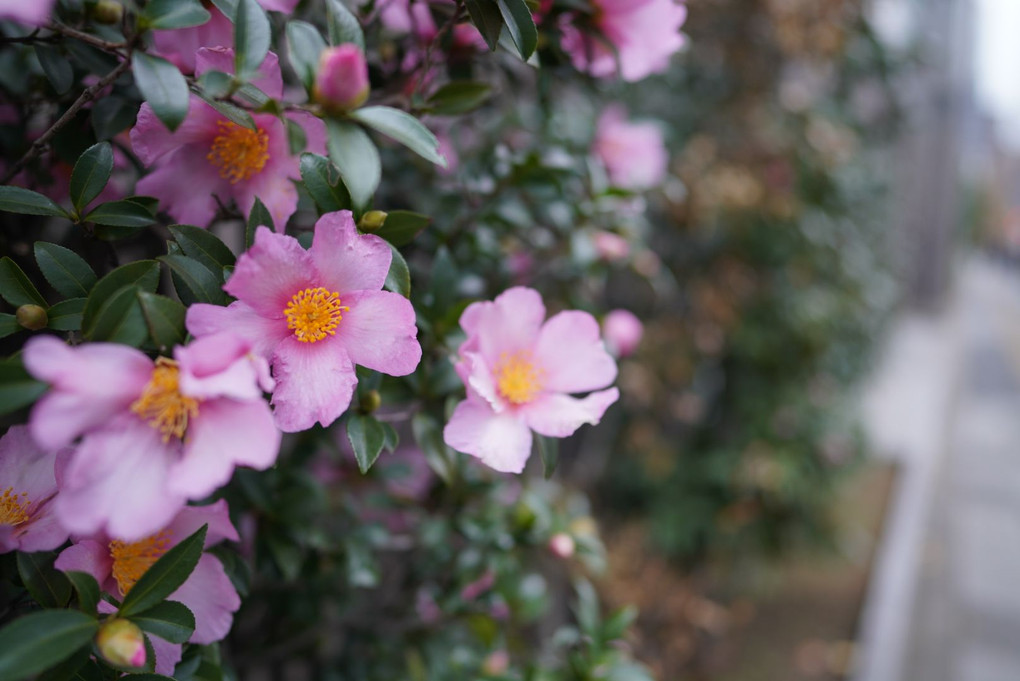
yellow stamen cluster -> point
(162, 405)
(132, 559)
(239, 152)
(314, 313)
(517, 377)
(13, 507)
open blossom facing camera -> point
(645, 34)
(154, 434)
(520, 374)
(634, 154)
(207, 593)
(27, 487)
(315, 314)
(209, 156)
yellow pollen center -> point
(132, 559)
(239, 152)
(314, 313)
(162, 405)
(517, 377)
(13, 507)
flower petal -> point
(571, 351)
(501, 441)
(555, 415)
(91, 557)
(151, 140)
(216, 515)
(221, 58)
(185, 183)
(509, 324)
(26, 468)
(239, 318)
(378, 332)
(314, 382)
(167, 655)
(212, 599)
(346, 260)
(269, 273)
(219, 365)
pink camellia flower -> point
(155, 434)
(633, 153)
(27, 487)
(210, 156)
(414, 16)
(180, 45)
(118, 565)
(623, 332)
(315, 314)
(341, 83)
(34, 13)
(645, 34)
(610, 246)
(520, 372)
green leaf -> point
(66, 315)
(165, 576)
(252, 35)
(304, 45)
(39, 640)
(233, 112)
(367, 438)
(27, 202)
(357, 159)
(15, 286)
(76, 667)
(163, 87)
(322, 181)
(228, 7)
(216, 83)
(390, 437)
(343, 26)
(9, 325)
(122, 213)
(118, 319)
(48, 586)
(87, 588)
(297, 139)
(112, 115)
(204, 246)
(17, 388)
(458, 97)
(167, 14)
(429, 437)
(91, 173)
(404, 128)
(142, 273)
(56, 66)
(170, 620)
(193, 282)
(258, 217)
(398, 279)
(66, 271)
(549, 450)
(487, 18)
(520, 24)
(402, 226)
(164, 318)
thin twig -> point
(458, 13)
(87, 38)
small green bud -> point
(108, 12)
(121, 643)
(32, 317)
(370, 401)
(372, 221)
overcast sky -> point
(997, 63)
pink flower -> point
(645, 33)
(315, 314)
(633, 153)
(180, 45)
(27, 488)
(208, 593)
(341, 82)
(35, 13)
(154, 433)
(209, 156)
(623, 332)
(519, 373)
(611, 246)
(414, 16)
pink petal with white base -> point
(378, 332)
(571, 351)
(269, 274)
(346, 260)
(241, 319)
(560, 415)
(314, 383)
(501, 441)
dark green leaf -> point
(66, 271)
(142, 273)
(233, 113)
(165, 576)
(204, 246)
(343, 25)
(66, 315)
(304, 45)
(40, 640)
(487, 18)
(118, 319)
(216, 83)
(193, 282)
(120, 214)
(297, 138)
(27, 202)
(458, 97)
(163, 87)
(357, 159)
(87, 588)
(167, 14)
(170, 620)
(164, 318)
(390, 437)
(112, 115)
(17, 388)
(228, 7)
(404, 128)
(48, 586)
(367, 438)
(258, 217)
(9, 325)
(520, 24)
(549, 450)
(402, 226)
(77, 667)
(398, 279)
(252, 34)
(91, 173)
(15, 286)
(429, 437)
(323, 183)
(55, 65)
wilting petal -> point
(239, 318)
(378, 332)
(314, 382)
(501, 441)
(571, 351)
(269, 274)
(211, 597)
(556, 415)
(346, 260)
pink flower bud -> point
(341, 83)
(562, 545)
(623, 332)
(121, 643)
